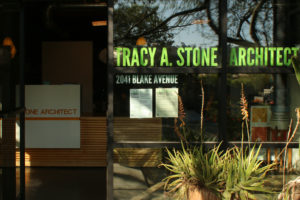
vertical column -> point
(222, 79)
(110, 79)
(8, 154)
(280, 110)
(293, 20)
(8, 140)
(22, 104)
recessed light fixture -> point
(141, 41)
(99, 23)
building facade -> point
(113, 83)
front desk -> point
(57, 136)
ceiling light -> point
(99, 23)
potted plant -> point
(195, 173)
(234, 174)
(291, 190)
(243, 173)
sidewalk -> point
(133, 183)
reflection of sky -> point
(201, 34)
(189, 35)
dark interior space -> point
(67, 22)
(49, 21)
(65, 183)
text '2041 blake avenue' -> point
(146, 79)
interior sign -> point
(148, 79)
(56, 112)
(200, 57)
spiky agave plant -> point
(193, 170)
(244, 174)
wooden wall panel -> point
(92, 152)
(138, 157)
(137, 129)
(70, 62)
(126, 129)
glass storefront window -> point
(154, 34)
(156, 106)
(260, 42)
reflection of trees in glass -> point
(249, 22)
(156, 20)
(132, 22)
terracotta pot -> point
(294, 190)
(196, 193)
(296, 196)
(296, 193)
